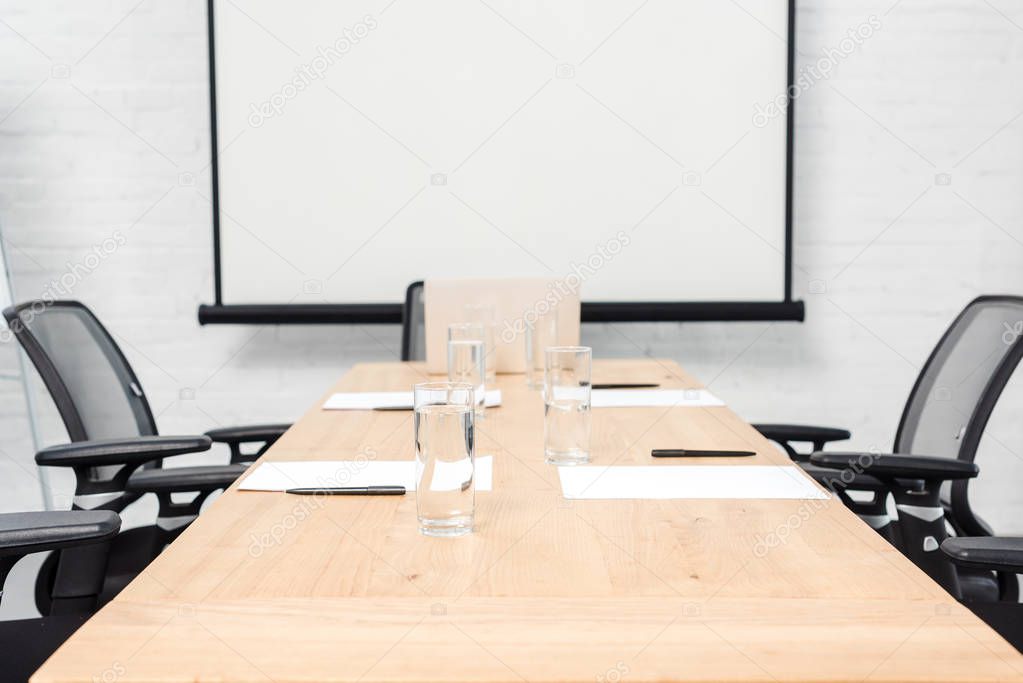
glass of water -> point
(566, 399)
(540, 334)
(467, 360)
(486, 315)
(445, 458)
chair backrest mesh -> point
(89, 379)
(413, 332)
(958, 387)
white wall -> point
(104, 133)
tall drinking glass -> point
(445, 458)
(486, 315)
(566, 398)
(540, 334)
(467, 360)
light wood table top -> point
(267, 586)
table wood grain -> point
(266, 586)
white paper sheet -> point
(279, 475)
(370, 400)
(635, 398)
(686, 481)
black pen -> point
(350, 491)
(624, 386)
(684, 453)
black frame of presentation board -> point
(592, 311)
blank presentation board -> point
(640, 151)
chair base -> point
(1004, 617)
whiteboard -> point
(365, 145)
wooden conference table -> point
(267, 586)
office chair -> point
(79, 539)
(992, 554)
(865, 491)
(413, 324)
(929, 472)
(116, 453)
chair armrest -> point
(248, 433)
(83, 538)
(994, 553)
(786, 434)
(203, 479)
(808, 433)
(837, 480)
(23, 533)
(236, 437)
(132, 451)
(898, 466)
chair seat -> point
(27, 643)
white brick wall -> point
(103, 107)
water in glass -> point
(467, 364)
(444, 425)
(566, 396)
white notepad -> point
(687, 481)
(636, 398)
(395, 400)
(280, 475)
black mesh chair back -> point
(957, 390)
(413, 324)
(89, 379)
